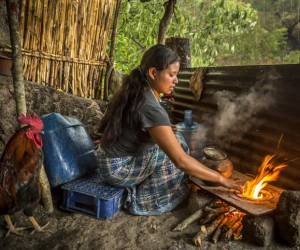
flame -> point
(267, 172)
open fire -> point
(267, 172)
(223, 220)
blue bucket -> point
(69, 152)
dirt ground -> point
(124, 231)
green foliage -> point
(213, 27)
(292, 57)
(258, 46)
(137, 30)
(221, 32)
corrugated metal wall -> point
(282, 117)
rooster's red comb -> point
(31, 120)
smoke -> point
(237, 113)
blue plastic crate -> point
(90, 196)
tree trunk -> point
(17, 65)
(19, 89)
(182, 47)
(163, 25)
(110, 66)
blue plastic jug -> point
(191, 134)
(69, 152)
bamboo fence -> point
(64, 44)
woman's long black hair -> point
(123, 109)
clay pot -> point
(216, 159)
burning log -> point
(218, 220)
(237, 235)
(234, 228)
(232, 225)
(218, 231)
(212, 212)
(225, 222)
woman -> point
(139, 149)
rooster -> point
(20, 165)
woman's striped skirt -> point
(154, 184)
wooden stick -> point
(209, 217)
(188, 221)
(212, 213)
(232, 218)
(218, 203)
(218, 210)
(205, 231)
(197, 240)
(46, 191)
(212, 227)
(233, 228)
(237, 234)
(218, 231)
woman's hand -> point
(231, 184)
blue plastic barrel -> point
(69, 152)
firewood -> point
(207, 218)
(218, 210)
(214, 209)
(218, 231)
(188, 221)
(218, 203)
(200, 236)
(213, 225)
(232, 218)
(237, 235)
(233, 228)
(212, 213)
(205, 231)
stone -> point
(258, 229)
(287, 218)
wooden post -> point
(19, 89)
(182, 47)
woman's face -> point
(164, 81)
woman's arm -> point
(166, 139)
